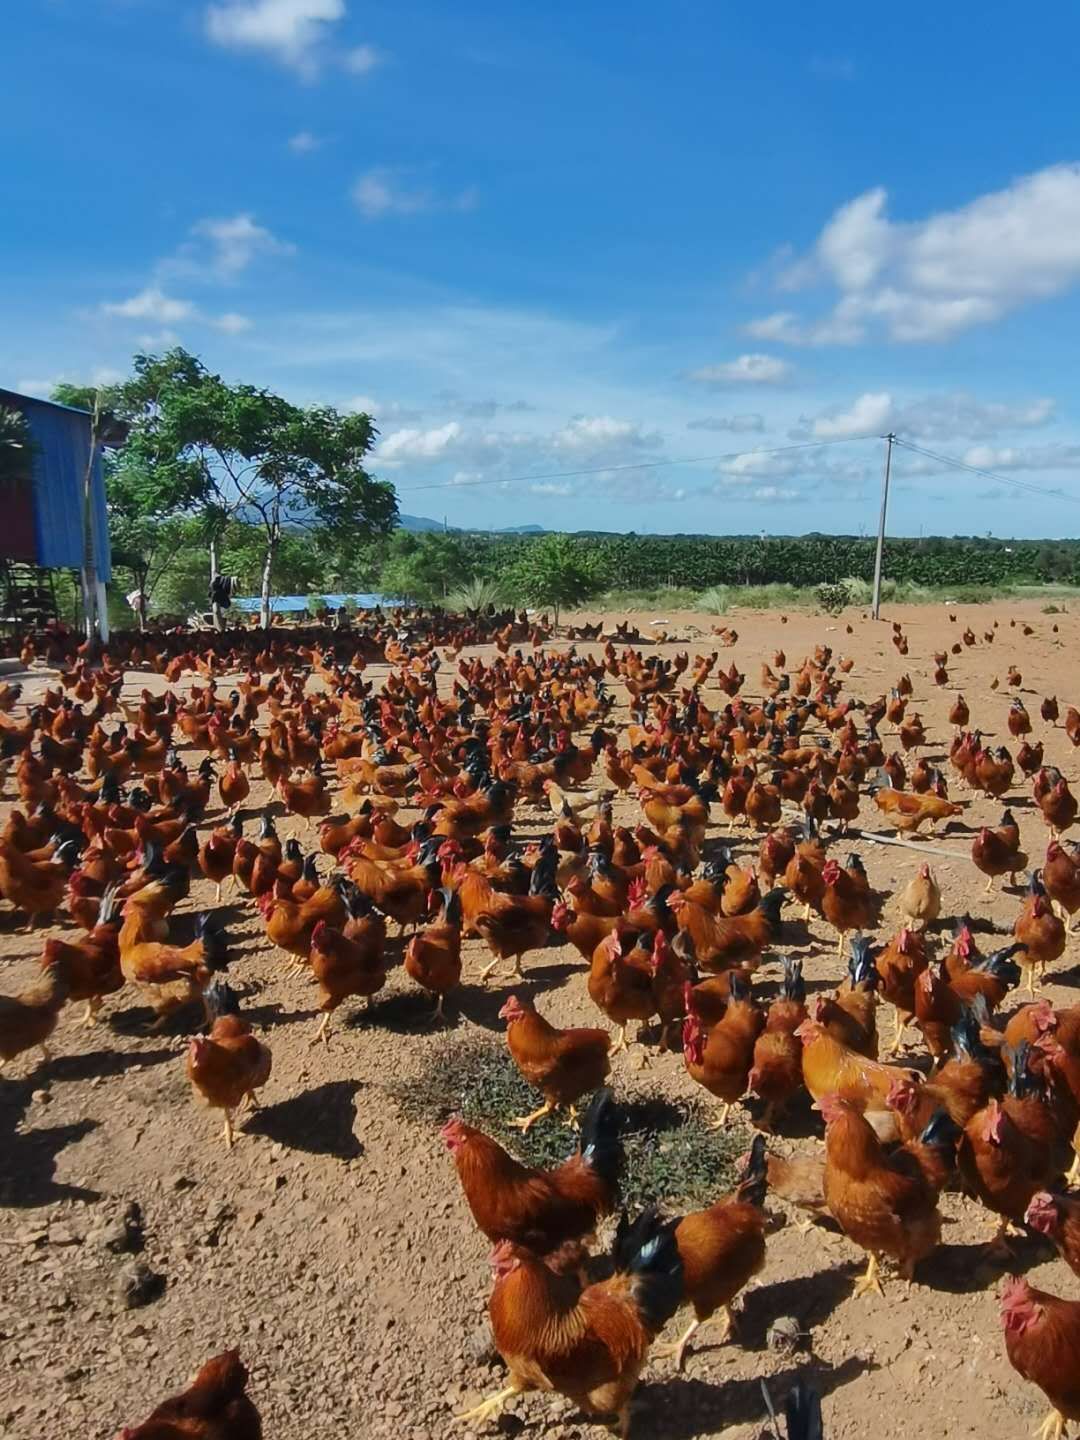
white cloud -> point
(746, 370)
(736, 424)
(150, 304)
(304, 142)
(415, 444)
(870, 415)
(236, 240)
(590, 433)
(932, 419)
(292, 32)
(154, 306)
(231, 324)
(931, 279)
(379, 193)
(361, 60)
(1032, 457)
(384, 191)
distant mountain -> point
(419, 524)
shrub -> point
(833, 597)
(715, 601)
(478, 594)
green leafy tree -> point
(424, 567)
(553, 572)
(228, 452)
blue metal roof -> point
(294, 604)
(62, 440)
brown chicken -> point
(847, 903)
(349, 961)
(721, 942)
(170, 975)
(776, 1072)
(830, 1068)
(563, 1065)
(433, 955)
(1042, 1341)
(1040, 932)
(909, 812)
(92, 966)
(1061, 877)
(721, 1249)
(587, 1344)
(888, 1209)
(541, 1209)
(997, 852)
(29, 1018)
(1058, 1218)
(215, 1406)
(998, 1166)
(227, 1067)
(621, 981)
(899, 964)
(720, 1059)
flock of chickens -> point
(109, 828)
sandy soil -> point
(333, 1245)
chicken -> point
(899, 965)
(848, 902)
(307, 798)
(1057, 803)
(433, 955)
(1040, 932)
(721, 942)
(218, 852)
(587, 1344)
(92, 966)
(776, 1072)
(920, 899)
(215, 1406)
(573, 807)
(1058, 1218)
(621, 982)
(349, 961)
(830, 1068)
(1042, 1341)
(997, 1165)
(541, 1209)
(909, 812)
(171, 975)
(290, 924)
(563, 1065)
(721, 1249)
(1061, 877)
(34, 887)
(885, 1207)
(29, 1018)
(997, 852)
(227, 1067)
(233, 787)
(513, 925)
(720, 1059)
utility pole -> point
(881, 524)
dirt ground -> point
(333, 1245)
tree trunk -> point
(267, 576)
(214, 606)
(89, 565)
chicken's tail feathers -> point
(754, 1180)
(215, 941)
(601, 1146)
(646, 1252)
(220, 999)
(802, 1409)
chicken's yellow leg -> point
(870, 1280)
(525, 1122)
(1052, 1428)
(491, 1406)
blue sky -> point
(556, 249)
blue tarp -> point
(295, 604)
(62, 446)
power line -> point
(987, 474)
(639, 465)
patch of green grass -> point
(671, 1155)
(666, 597)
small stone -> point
(125, 1235)
(61, 1235)
(785, 1335)
(41, 1097)
(139, 1285)
(183, 1182)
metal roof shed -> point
(43, 520)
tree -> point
(106, 428)
(228, 452)
(552, 572)
(424, 567)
